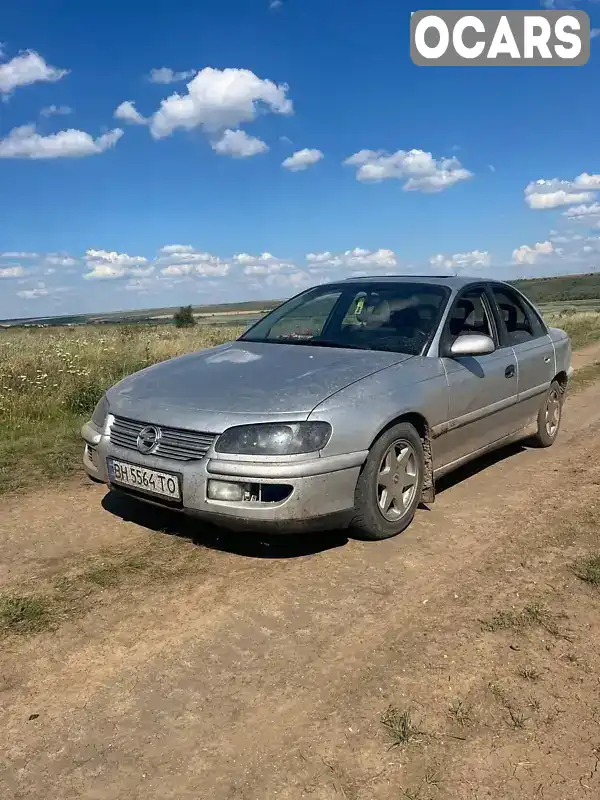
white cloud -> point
(218, 99)
(239, 145)
(264, 258)
(141, 285)
(12, 272)
(52, 111)
(184, 260)
(129, 113)
(583, 211)
(165, 75)
(275, 3)
(59, 260)
(33, 294)
(13, 254)
(293, 281)
(215, 268)
(419, 170)
(264, 264)
(25, 142)
(554, 193)
(351, 259)
(302, 159)
(546, 200)
(256, 269)
(169, 249)
(319, 258)
(529, 255)
(245, 258)
(184, 256)
(462, 261)
(104, 265)
(27, 68)
(587, 181)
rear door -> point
(522, 329)
(483, 389)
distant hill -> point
(561, 288)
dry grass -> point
(582, 326)
(51, 379)
(399, 726)
(45, 603)
(25, 614)
(534, 614)
(588, 569)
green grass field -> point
(51, 378)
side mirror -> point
(476, 344)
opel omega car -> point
(339, 408)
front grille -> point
(175, 443)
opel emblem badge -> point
(148, 439)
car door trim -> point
(474, 416)
(488, 448)
(534, 391)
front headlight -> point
(100, 413)
(274, 439)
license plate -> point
(151, 481)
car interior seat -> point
(462, 311)
(406, 321)
(509, 312)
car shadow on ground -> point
(270, 546)
(201, 533)
(478, 465)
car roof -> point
(451, 281)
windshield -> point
(399, 317)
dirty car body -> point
(277, 428)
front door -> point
(482, 390)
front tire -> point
(550, 416)
(390, 485)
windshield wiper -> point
(309, 343)
(331, 343)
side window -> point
(521, 324)
(468, 316)
(307, 321)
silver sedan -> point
(339, 408)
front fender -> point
(361, 411)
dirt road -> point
(183, 663)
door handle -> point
(547, 359)
(509, 371)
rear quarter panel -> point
(562, 350)
(361, 411)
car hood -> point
(242, 378)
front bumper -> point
(322, 489)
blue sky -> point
(304, 145)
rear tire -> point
(390, 485)
(549, 416)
